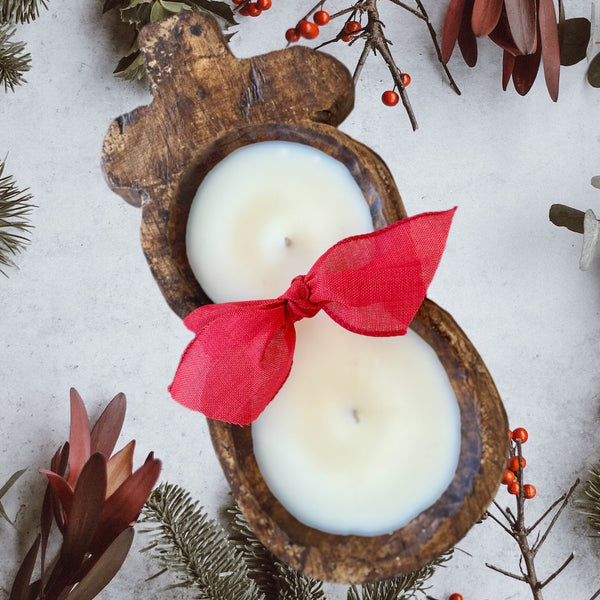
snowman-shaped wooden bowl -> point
(206, 104)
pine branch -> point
(20, 11)
(193, 547)
(403, 587)
(14, 61)
(14, 223)
(276, 580)
(590, 507)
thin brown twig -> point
(436, 45)
(568, 495)
(544, 583)
(507, 573)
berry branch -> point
(515, 526)
(353, 29)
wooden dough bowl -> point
(206, 103)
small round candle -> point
(364, 434)
(264, 214)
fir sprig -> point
(193, 547)
(590, 506)
(403, 587)
(15, 207)
(20, 11)
(14, 61)
(275, 578)
(235, 565)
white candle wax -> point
(264, 214)
(364, 434)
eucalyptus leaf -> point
(221, 10)
(593, 74)
(158, 12)
(574, 36)
(11, 481)
(596, 181)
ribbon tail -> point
(238, 361)
(374, 284)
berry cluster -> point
(516, 463)
(252, 9)
(390, 97)
(308, 29)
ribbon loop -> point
(371, 284)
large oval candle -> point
(365, 433)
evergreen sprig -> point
(193, 547)
(276, 579)
(235, 565)
(14, 61)
(403, 587)
(590, 506)
(20, 11)
(15, 207)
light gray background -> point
(83, 310)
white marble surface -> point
(83, 310)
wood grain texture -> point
(207, 103)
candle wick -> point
(287, 241)
(355, 415)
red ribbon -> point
(370, 284)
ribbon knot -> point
(299, 303)
(371, 284)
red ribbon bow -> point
(370, 284)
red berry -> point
(510, 434)
(253, 9)
(520, 435)
(406, 79)
(513, 463)
(529, 491)
(509, 477)
(514, 488)
(291, 35)
(321, 17)
(245, 11)
(352, 26)
(264, 4)
(346, 38)
(308, 30)
(390, 98)
(237, 1)
(455, 597)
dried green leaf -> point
(221, 10)
(20, 587)
(595, 181)
(11, 481)
(158, 12)
(593, 73)
(105, 568)
(574, 36)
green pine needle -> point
(276, 579)
(590, 506)
(194, 548)
(14, 61)
(20, 11)
(15, 208)
(404, 587)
